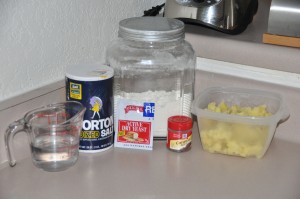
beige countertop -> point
(161, 174)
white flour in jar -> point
(166, 104)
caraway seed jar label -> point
(179, 133)
(92, 86)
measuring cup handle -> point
(11, 131)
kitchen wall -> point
(39, 38)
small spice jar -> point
(179, 133)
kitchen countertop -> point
(161, 174)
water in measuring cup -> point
(55, 153)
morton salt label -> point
(92, 86)
(134, 126)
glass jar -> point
(153, 63)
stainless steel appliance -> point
(284, 18)
(228, 16)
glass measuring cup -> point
(53, 133)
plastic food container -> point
(235, 134)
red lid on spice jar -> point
(180, 122)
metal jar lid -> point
(151, 29)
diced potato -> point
(234, 138)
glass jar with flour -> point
(154, 74)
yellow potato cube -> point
(234, 138)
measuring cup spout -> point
(79, 116)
